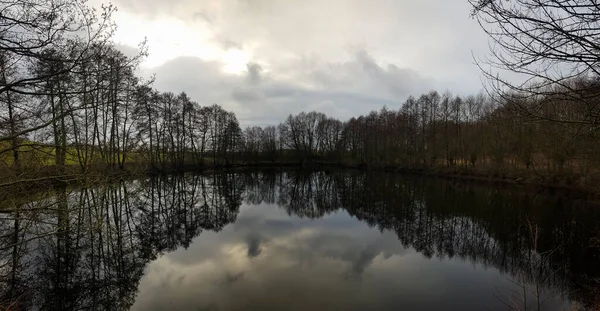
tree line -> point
(70, 98)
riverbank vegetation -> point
(71, 105)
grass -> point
(33, 155)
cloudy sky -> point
(264, 59)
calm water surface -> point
(299, 241)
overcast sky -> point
(264, 59)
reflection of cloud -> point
(365, 258)
(287, 255)
(231, 278)
(270, 261)
(253, 246)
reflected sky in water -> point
(298, 241)
(269, 260)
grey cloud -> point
(202, 80)
(340, 89)
(245, 95)
(364, 74)
(204, 15)
(230, 44)
(254, 73)
(342, 57)
(281, 91)
(434, 38)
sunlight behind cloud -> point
(235, 61)
(170, 38)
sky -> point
(265, 59)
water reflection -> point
(266, 241)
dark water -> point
(299, 241)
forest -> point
(72, 105)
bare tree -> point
(29, 29)
(548, 44)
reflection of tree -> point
(308, 195)
(441, 218)
(14, 281)
(261, 187)
(87, 249)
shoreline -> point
(40, 179)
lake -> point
(293, 240)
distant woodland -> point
(71, 104)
